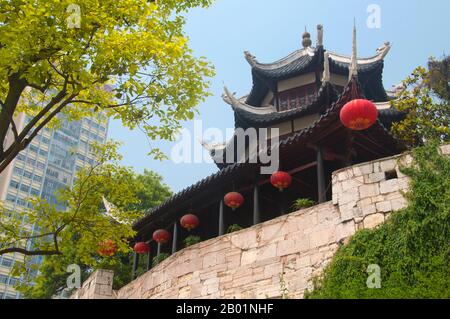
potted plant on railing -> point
(302, 203)
(191, 240)
(233, 228)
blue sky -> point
(272, 29)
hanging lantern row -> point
(280, 180)
(141, 248)
(107, 248)
(233, 200)
(358, 114)
(161, 236)
(189, 221)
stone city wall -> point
(287, 251)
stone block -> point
(389, 186)
(388, 165)
(445, 149)
(249, 257)
(323, 237)
(373, 220)
(369, 190)
(345, 230)
(244, 239)
(384, 207)
(398, 203)
(375, 177)
(266, 252)
(351, 195)
(364, 169)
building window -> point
(297, 97)
(7, 262)
(14, 184)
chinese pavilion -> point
(301, 95)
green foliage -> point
(302, 203)
(233, 228)
(426, 103)
(79, 230)
(191, 240)
(129, 59)
(411, 248)
(157, 259)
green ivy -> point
(302, 203)
(412, 248)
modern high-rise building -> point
(46, 165)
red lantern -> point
(358, 114)
(161, 236)
(107, 248)
(281, 180)
(189, 221)
(141, 248)
(233, 200)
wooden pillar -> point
(149, 260)
(135, 265)
(174, 238)
(256, 212)
(221, 219)
(320, 176)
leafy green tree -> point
(425, 100)
(129, 59)
(79, 230)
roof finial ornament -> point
(353, 69)
(326, 68)
(251, 59)
(229, 97)
(306, 42)
(319, 35)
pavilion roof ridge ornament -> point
(251, 59)
(236, 103)
(381, 53)
(212, 146)
(353, 68)
(326, 68)
(319, 35)
(306, 42)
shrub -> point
(411, 248)
(233, 228)
(302, 203)
(191, 240)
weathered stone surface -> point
(389, 186)
(368, 190)
(249, 263)
(373, 220)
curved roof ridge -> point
(281, 62)
(236, 103)
(380, 55)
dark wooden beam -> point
(174, 238)
(221, 219)
(321, 190)
(256, 212)
(135, 265)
